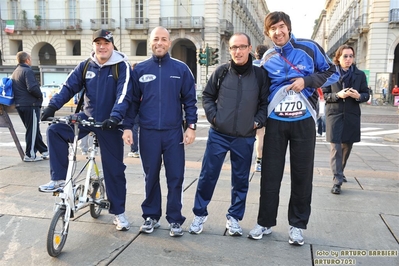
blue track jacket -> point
(161, 87)
(306, 59)
(104, 96)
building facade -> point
(57, 33)
(372, 28)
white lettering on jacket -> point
(147, 78)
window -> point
(72, 9)
(104, 12)
(14, 9)
(41, 8)
(139, 11)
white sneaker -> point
(52, 186)
(134, 154)
(30, 159)
(295, 236)
(121, 222)
(45, 155)
(197, 225)
(233, 226)
(149, 225)
(258, 232)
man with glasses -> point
(296, 67)
(235, 103)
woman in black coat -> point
(343, 112)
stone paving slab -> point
(209, 249)
(87, 243)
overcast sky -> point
(303, 13)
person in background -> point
(28, 100)
(395, 90)
(134, 148)
(296, 67)
(384, 94)
(260, 133)
(259, 51)
(106, 100)
(343, 112)
(162, 88)
(86, 141)
(236, 107)
(321, 117)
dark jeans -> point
(241, 149)
(301, 136)
(135, 146)
(321, 125)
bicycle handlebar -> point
(74, 119)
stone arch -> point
(43, 53)
(393, 61)
(185, 50)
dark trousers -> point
(339, 155)
(155, 146)
(321, 125)
(111, 149)
(30, 117)
(301, 137)
(241, 156)
(135, 146)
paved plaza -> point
(358, 227)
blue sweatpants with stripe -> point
(155, 146)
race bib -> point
(292, 106)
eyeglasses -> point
(346, 56)
(241, 47)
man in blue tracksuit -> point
(296, 67)
(106, 99)
(28, 100)
(162, 85)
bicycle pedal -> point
(104, 204)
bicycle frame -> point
(68, 195)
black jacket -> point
(343, 115)
(238, 103)
(25, 86)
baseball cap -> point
(105, 34)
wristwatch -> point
(192, 126)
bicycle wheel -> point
(56, 237)
(98, 194)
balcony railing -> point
(358, 27)
(394, 15)
(226, 27)
(47, 24)
(182, 22)
(102, 23)
(137, 23)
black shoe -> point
(336, 189)
(344, 179)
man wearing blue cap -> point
(106, 98)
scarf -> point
(346, 77)
(242, 69)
